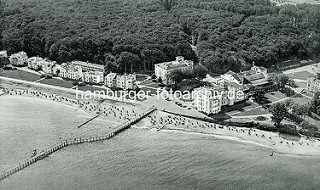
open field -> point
(57, 82)
(275, 96)
(301, 75)
(19, 74)
(301, 70)
(300, 99)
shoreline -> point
(274, 141)
(260, 138)
(275, 150)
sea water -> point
(148, 159)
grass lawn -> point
(302, 75)
(301, 84)
(274, 96)
(299, 99)
(19, 74)
(57, 82)
(256, 111)
(90, 88)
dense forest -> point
(228, 34)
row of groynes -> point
(75, 141)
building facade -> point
(211, 99)
(313, 85)
(163, 70)
(40, 64)
(95, 77)
(110, 80)
(205, 102)
(69, 71)
(126, 81)
(19, 59)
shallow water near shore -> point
(148, 159)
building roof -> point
(260, 82)
(255, 77)
(3, 54)
(111, 75)
(19, 54)
(235, 75)
(126, 76)
(86, 64)
(176, 64)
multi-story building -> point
(69, 71)
(163, 70)
(4, 58)
(95, 77)
(19, 59)
(86, 66)
(313, 84)
(40, 64)
(205, 101)
(47, 66)
(126, 81)
(82, 71)
(257, 76)
(35, 63)
(211, 99)
(110, 80)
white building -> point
(110, 80)
(126, 81)
(86, 66)
(34, 63)
(69, 71)
(256, 76)
(19, 59)
(313, 84)
(162, 70)
(95, 77)
(4, 54)
(38, 63)
(205, 101)
(211, 99)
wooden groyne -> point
(90, 120)
(75, 141)
(162, 126)
(205, 119)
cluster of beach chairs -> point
(161, 121)
(121, 113)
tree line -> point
(128, 36)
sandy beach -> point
(278, 143)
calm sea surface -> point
(148, 159)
